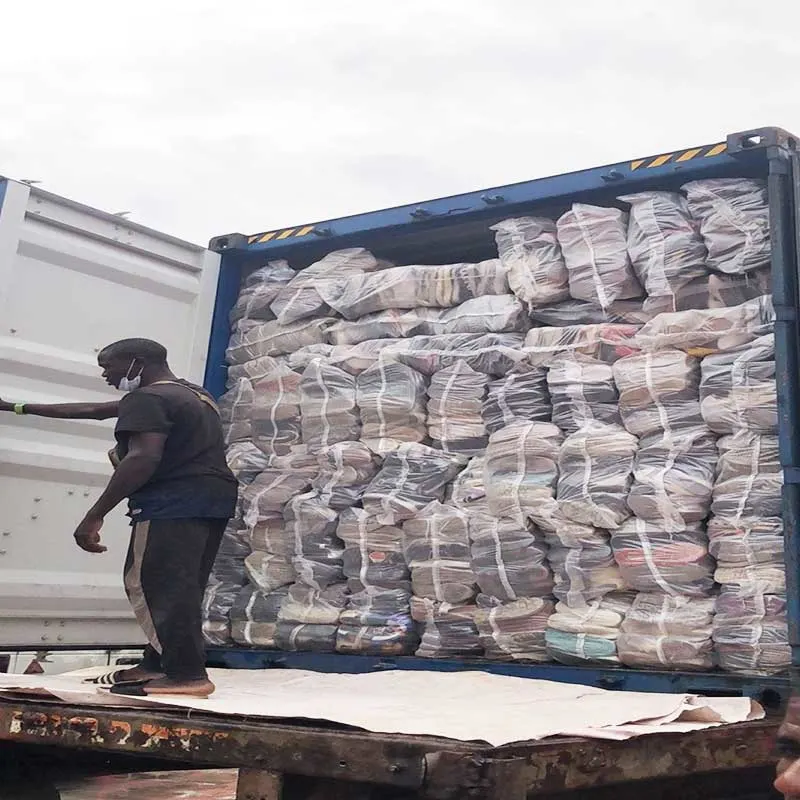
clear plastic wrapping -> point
(594, 243)
(246, 461)
(738, 390)
(667, 632)
(508, 560)
(293, 637)
(521, 469)
(455, 399)
(579, 312)
(301, 298)
(653, 560)
(520, 396)
(491, 353)
(304, 605)
(311, 525)
(254, 617)
(726, 291)
(273, 489)
(749, 478)
(666, 250)
(468, 490)
(734, 220)
(713, 330)
(582, 392)
(489, 314)
(673, 477)
(274, 339)
(254, 370)
(515, 631)
(437, 549)
(345, 471)
(268, 572)
(595, 466)
(260, 289)
(415, 286)
(760, 648)
(531, 255)
(391, 399)
(659, 393)
(395, 639)
(749, 543)
(606, 342)
(448, 631)
(583, 564)
(275, 415)
(373, 553)
(270, 535)
(235, 411)
(328, 406)
(411, 477)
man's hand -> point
(5, 405)
(87, 534)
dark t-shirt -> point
(193, 478)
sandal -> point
(138, 690)
(114, 678)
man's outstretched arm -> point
(64, 410)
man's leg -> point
(173, 561)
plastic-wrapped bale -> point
(345, 471)
(328, 406)
(520, 396)
(225, 583)
(673, 477)
(587, 634)
(491, 353)
(268, 571)
(269, 534)
(236, 411)
(415, 286)
(301, 297)
(455, 400)
(378, 622)
(489, 314)
(448, 631)
(594, 243)
(411, 477)
(725, 291)
(299, 360)
(738, 390)
(659, 393)
(515, 631)
(606, 342)
(260, 289)
(254, 617)
(522, 470)
(357, 358)
(595, 466)
(391, 399)
(664, 631)
(254, 370)
(274, 488)
(583, 564)
(749, 477)
(666, 250)
(275, 415)
(246, 461)
(437, 550)
(373, 553)
(579, 312)
(308, 618)
(468, 490)
(311, 525)
(531, 255)
(734, 220)
(274, 339)
(702, 332)
(751, 634)
(654, 560)
(582, 391)
(508, 560)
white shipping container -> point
(73, 279)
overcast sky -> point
(204, 118)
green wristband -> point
(19, 408)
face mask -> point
(128, 384)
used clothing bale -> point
(734, 220)
(448, 631)
(246, 461)
(269, 572)
(582, 392)
(411, 477)
(455, 400)
(345, 471)
(275, 414)
(311, 525)
(274, 339)
(415, 286)
(579, 312)
(531, 256)
(520, 396)
(594, 243)
(391, 400)
(261, 288)
(606, 342)
(254, 617)
(468, 490)
(328, 406)
(515, 631)
(726, 291)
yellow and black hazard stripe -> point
(679, 157)
(288, 233)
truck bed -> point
(418, 766)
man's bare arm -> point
(67, 410)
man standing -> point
(170, 465)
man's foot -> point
(202, 687)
